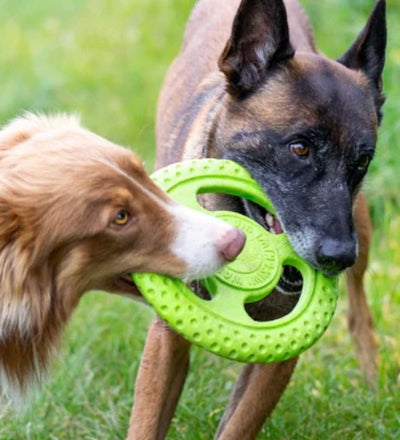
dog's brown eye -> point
(363, 162)
(300, 149)
(121, 219)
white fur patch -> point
(12, 391)
(196, 240)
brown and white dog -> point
(250, 85)
(79, 213)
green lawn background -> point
(106, 60)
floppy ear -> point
(30, 316)
(258, 43)
(368, 51)
(9, 223)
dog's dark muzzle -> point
(333, 255)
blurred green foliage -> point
(103, 59)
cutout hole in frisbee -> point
(226, 319)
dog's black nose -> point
(334, 256)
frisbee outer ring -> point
(221, 325)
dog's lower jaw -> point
(291, 282)
(123, 285)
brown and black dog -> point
(250, 85)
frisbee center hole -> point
(281, 301)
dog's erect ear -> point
(368, 51)
(258, 43)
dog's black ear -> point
(258, 43)
(368, 51)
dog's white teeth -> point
(269, 219)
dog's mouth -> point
(123, 284)
(291, 281)
(265, 218)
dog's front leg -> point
(159, 383)
(360, 317)
(256, 393)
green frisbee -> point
(221, 324)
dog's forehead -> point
(124, 171)
(322, 84)
(309, 92)
(57, 159)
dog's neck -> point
(200, 141)
(192, 136)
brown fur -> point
(60, 188)
(199, 112)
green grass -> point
(106, 60)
